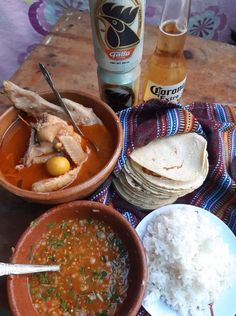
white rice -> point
(189, 264)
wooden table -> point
(68, 53)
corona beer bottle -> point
(165, 73)
(117, 29)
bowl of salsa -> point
(22, 167)
(102, 264)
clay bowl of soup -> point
(15, 137)
(102, 264)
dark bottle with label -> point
(117, 28)
(119, 90)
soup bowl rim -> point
(112, 214)
(74, 189)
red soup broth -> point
(94, 269)
(15, 143)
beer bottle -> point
(119, 90)
(165, 73)
(117, 29)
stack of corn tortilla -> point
(164, 170)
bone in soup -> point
(93, 279)
(42, 152)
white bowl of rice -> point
(191, 257)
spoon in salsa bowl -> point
(13, 268)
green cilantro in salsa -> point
(93, 279)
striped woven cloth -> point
(215, 122)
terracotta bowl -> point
(18, 291)
(108, 117)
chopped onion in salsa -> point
(94, 268)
